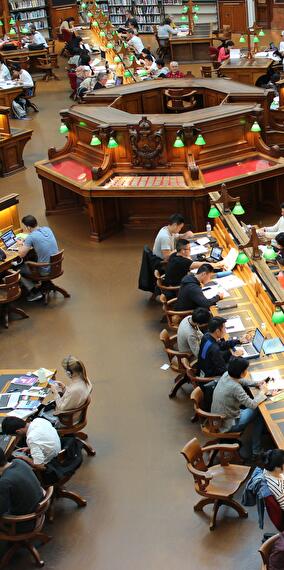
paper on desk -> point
(215, 290)
(197, 249)
(277, 384)
(203, 240)
(21, 413)
(230, 260)
(231, 282)
(235, 324)
(48, 373)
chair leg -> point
(35, 553)
(87, 447)
(6, 316)
(43, 537)
(9, 554)
(61, 492)
(18, 311)
(180, 380)
(234, 505)
(199, 506)
(82, 435)
(217, 505)
(60, 290)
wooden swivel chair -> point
(189, 378)
(29, 97)
(9, 531)
(47, 64)
(55, 266)
(171, 289)
(23, 61)
(73, 422)
(176, 358)
(265, 551)
(180, 100)
(163, 46)
(173, 317)
(206, 71)
(216, 484)
(10, 291)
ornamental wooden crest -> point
(146, 144)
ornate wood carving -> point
(147, 144)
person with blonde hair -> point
(75, 394)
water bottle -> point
(208, 229)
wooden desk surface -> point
(23, 53)
(243, 63)
(189, 39)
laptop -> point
(9, 239)
(215, 254)
(252, 349)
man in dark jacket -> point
(190, 294)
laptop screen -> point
(8, 238)
(216, 253)
(258, 340)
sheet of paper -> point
(276, 384)
(231, 282)
(21, 413)
(230, 260)
(196, 249)
(48, 373)
(165, 367)
(215, 290)
(203, 240)
(235, 324)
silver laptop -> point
(9, 239)
(252, 349)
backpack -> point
(58, 470)
(18, 110)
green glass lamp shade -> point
(109, 45)
(261, 34)
(132, 57)
(12, 32)
(95, 141)
(125, 44)
(24, 30)
(83, 5)
(82, 124)
(213, 212)
(127, 73)
(196, 8)
(1, 23)
(242, 40)
(112, 143)
(185, 9)
(255, 40)
(238, 209)
(200, 141)
(184, 26)
(102, 34)
(89, 14)
(12, 21)
(195, 18)
(255, 127)
(183, 18)
(117, 59)
(278, 316)
(63, 129)
(242, 258)
(95, 24)
(178, 143)
(143, 73)
(269, 254)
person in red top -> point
(174, 72)
(224, 52)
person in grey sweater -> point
(228, 397)
(189, 334)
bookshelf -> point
(117, 10)
(147, 13)
(31, 12)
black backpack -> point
(64, 467)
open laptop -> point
(215, 254)
(252, 349)
(9, 239)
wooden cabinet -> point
(263, 13)
(233, 14)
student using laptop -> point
(252, 349)
(43, 242)
(231, 400)
(180, 263)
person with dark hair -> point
(20, 490)
(150, 65)
(190, 294)
(189, 332)
(215, 352)
(272, 231)
(43, 443)
(273, 462)
(43, 242)
(134, 41)
(232, 401)
(130, 22)
(164, 243)
(163, 70)
(37, 38)
(165, 31)
(224, 51)
(180, 263)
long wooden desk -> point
(23, 53)
(189, 49)
(8, 94)
(246, 70)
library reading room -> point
(142, 284)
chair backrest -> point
(161, 285)
(74, 418)
(51, 46)
(193, 454)
(10, 288)
(9, 524)
(206, 71)
(265, 550)
(54, 265)
(210, 423)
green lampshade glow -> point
(109, 45)
(89, 14)
(24, 30)
(63, 129)
(12, 32)
(184, 26)
(127, 73)
(242, 40)
(83, 5)
(102, 34)
(125, 44)
(95, 141)
(185, 9)
(143, 73)
(261, 34)
(269, 254)
(117, 59)
(1, 23)
(196, 8)
(255, 127)
(242, 258)
(178, 142)
(131, 57)
(82, 124)
(95, 24)
(12, 21)
(278, 316)
(238, 209)
(200, 141)
(255, 40)
(195, 18)
(112, 143)
(213, 212)
(183, 18)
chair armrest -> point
(177, 353)
(36, 264)
(173, 337)
(204, 379)
(211, 416)
(17, 518)
(171, 301)
(222, 448)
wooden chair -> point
(218, 483)
(206, 71)
(189, 378)
(9, 531)
(23, 61)
(73, 422)
(47, 64)
(265, 551)
(180, 100)
(166, 288)
(10, 291)
(29, 97)
(52, 52)
(176, 358)
(55, 266)
(210, 423)
(173, 317)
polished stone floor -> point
(140, 496)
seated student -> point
(150, 65)
(165, 30)
(224, 52)
(144, 53)
(190, 294)
(163, 70)
(276, 556)
(134, 41)
(130, 22)
(20, 489)
(77, 392)
(279, 247)
(164, 243)
(43, 443)
(43, 242)
(189, 334)
(4, 71)
(84, 68)
(273, 462)
(231, 400)
(93, 83)
(180, 263)
(37, 38)
(272, 231)
(215, 352)
(174, 72)
(67, 25)
(281, 45)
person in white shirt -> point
(37, 38)
(164, 243)
(281, 45)
(150, 65)
(272, 231)
(22, 75)
(4, 71)
(21, 103)
(134, 41)
(43, 443)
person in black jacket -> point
(180, 263)
(215, 352)
(190, 294)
